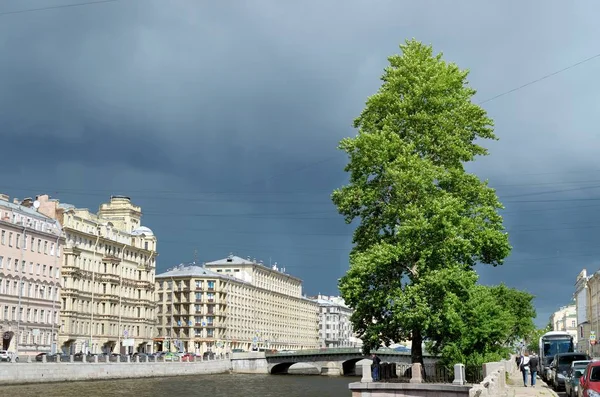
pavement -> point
(515, 388)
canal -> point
(212, 385)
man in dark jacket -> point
(375, 367)
(534, 363)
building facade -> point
(109, 263)
(335, 328)
(234, 303)
(565, 319)
(593, 310)
(582, 300)
(31, 246)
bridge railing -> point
(336, 350)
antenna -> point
(195, 256)
(36, 204)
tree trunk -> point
(416, 350)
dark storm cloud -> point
(174, 99)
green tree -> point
(422, 217)
(486, 325)
(533, 339)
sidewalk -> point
(515, 388)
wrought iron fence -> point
(430, 373)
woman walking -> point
(524, 367)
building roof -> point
(232, 260)
(188, 270)
(142, 230)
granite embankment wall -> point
(21, 373)
(249, 363)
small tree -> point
(424, 222)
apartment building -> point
(565, 319)
(109, 263)
(234, 303)
(582, 299)
(30, 261)
(335, 328)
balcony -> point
(111, 258)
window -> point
(211, 284)
(1, 262)
(39, 246)
(32, 243)
(18, 241)
(46, 247)
(3, 237)
(10, 239)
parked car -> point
(5, 355)
(560, 367)
(589, 383)
(573, 375)
(171, 357)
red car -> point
(188, 357)
(590, 381)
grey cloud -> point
(212, 97)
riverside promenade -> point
(515, 388)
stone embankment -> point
(21, 373)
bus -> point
(552, 343)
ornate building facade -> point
(30, 261)
(108, 273)
(234, 303)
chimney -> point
(16, 201)
(27, 202)
(4, 197)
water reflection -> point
(214, 385)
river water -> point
(212, 385)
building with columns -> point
(109, 263)
(30, 262)
(335, 328)
(234, 303)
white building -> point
(233, 303)
(335, 328)
(582, 297)
(565, 319)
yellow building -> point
(234, 303)
(108, 277)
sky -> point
(221, 120)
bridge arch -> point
(281, 368)
(349, 366)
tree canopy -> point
(424, 222)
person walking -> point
(524, 367)
(534, 362)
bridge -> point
(333, 361)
